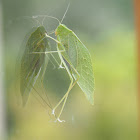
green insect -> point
(33, 65)
(77, 61)
(74, 56)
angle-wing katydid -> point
(77, 62)
(78, 59)
(32, 65)
(73, 54)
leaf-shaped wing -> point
(31, 64)
(78, 57)
(85, 70)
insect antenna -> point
(32, 18)
(44, 17)
(65, 13)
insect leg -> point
(63, 49)
(66, 95)
(52, 38)
(51, 32)
(52, 61)
(70, 86)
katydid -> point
(34, 63)
(74, 57)
(33, 66)
(77, 62)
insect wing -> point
(84, 68)
(32, 64)
(79, 58)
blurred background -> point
(107, 29)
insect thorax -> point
(62, 30)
